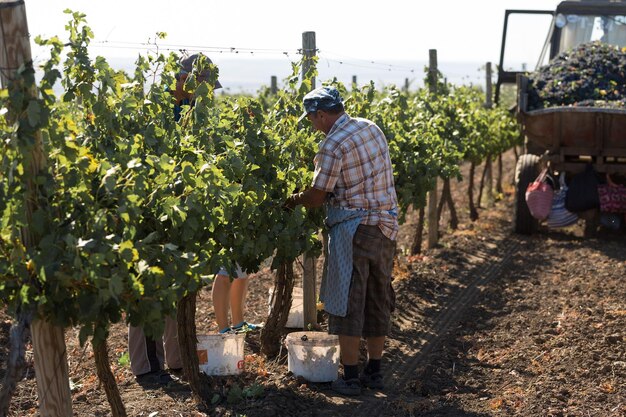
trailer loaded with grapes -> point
(573, 110)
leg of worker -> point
(350, 327)
(379, 303)
(170, 344)
(238, 292)
(221, 300)
(375, 347)
(349, 346)
(142, 352)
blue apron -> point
(342, 224)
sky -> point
(362, 37)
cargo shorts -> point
(371, 298)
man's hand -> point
(292, 201)
(310, 198)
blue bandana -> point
(322, 98)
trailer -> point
(569, 138)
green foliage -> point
(124, 360)
(236, 394)
(255, 390)
(134, 208)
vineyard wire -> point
(364, 61)
(340, 59)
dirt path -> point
(418, 332)
(545, 338)
(496, 324)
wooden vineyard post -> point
(433, 223)
(406, 85)
(309, 298)
(308, 52)
(273, 85)
(48, 340)
(489, 161)
(488, 86)
(51, 369)
(354, 83)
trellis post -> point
(51, 368)
(433, 221)
(489, 161)
(309, 298)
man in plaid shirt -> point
(353, 175)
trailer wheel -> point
(526, 172)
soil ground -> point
(488, 323)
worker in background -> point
(148, 356)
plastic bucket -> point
(221, 354)
(295, 320)
(313, 355)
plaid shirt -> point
(353, 164)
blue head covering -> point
(322, 98)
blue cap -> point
(322, 98)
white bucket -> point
(295, 320)
(313, 355)
(221, 354)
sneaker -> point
(155, 378)
(245, 327)
(373, 381)
(347, 387)
(226, 330)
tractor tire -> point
(526, 171)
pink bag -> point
(612, 197)
(539, 196)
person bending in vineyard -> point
(147, 356)
(354, 177)
(227, 295)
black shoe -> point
(178, 374)
(160, 378)
(350, 387)
(373, 381)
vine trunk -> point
(273, 328)
(416, 247)
(107, 379)
(470, 193)
(499, 188)
(446, 198)
(15, 361)
(187, 338)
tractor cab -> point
(571, 24)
